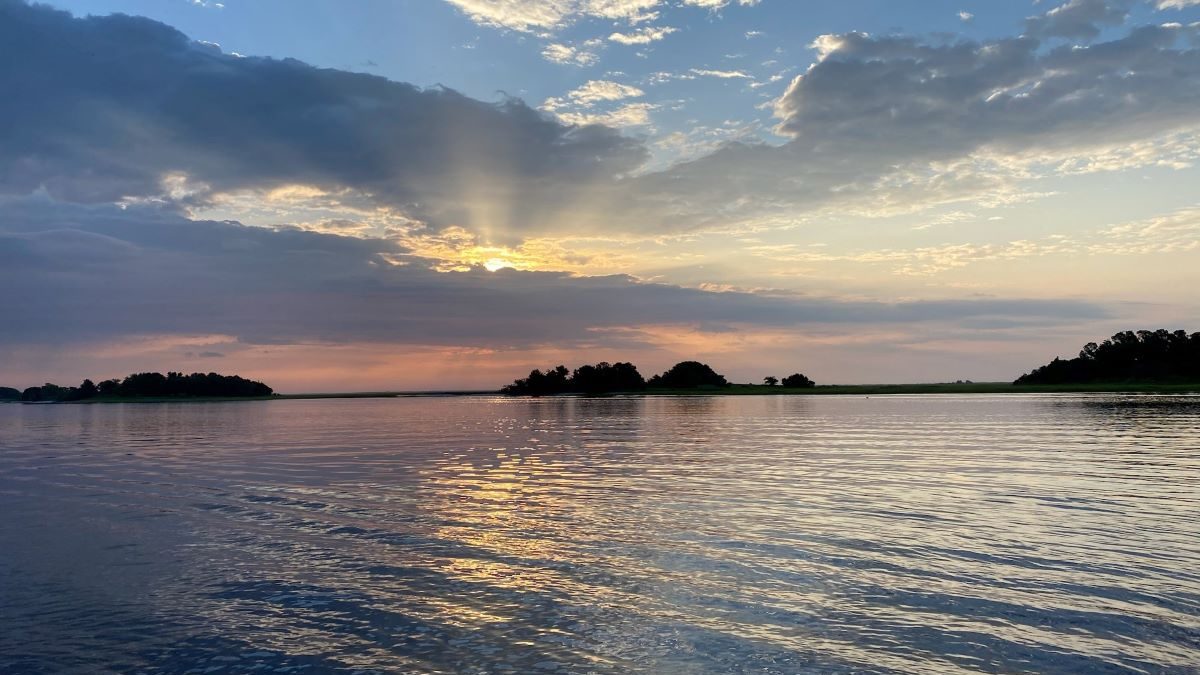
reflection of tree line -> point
(1144, 356)
(149, 385)
(624, 377)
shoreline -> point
(732, 390)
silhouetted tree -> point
(604, 378)
(1144, 356)
(770, 381)
(10, 394)
(601, 378)
(798, 381)
(197, 384)
(553, 381)
(142, 385)
(688, 375)
(46, 392)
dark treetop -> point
(153, 385)
(598, 379)
(1145, 356)
(688, 375)
(605, 378)
(9, 394)
(798, 381)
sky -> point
(444, 194)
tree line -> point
(605, 378)
(1158, 356)
(150, 385)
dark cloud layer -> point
(91, 273)
(897, 96)
(871, 116)
(100, 108)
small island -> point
(145, 386)
(614, 378)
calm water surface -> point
(930, 534)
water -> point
(930, 534)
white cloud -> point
(642, 36)
(568, 55)
(532, 15)
(665, 76)
(721, 74)
(601, 90)
(1176, 4)
(770, 80)
(965, 16)
(628, 115)
(578, 105)
(540, 15)
(719, 4)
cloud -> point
(530, 15)
(1079, 19)
(627, 115)
(897, 93)
(556, 52)
(540, 15)
(721, 74)
(106, 108)
(1176, 232)
(965, 16)
(719, 4)
(594, 91)
(97, 273)
(893, 124)
(642, 36)
(576, 107)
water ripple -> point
(932, 534)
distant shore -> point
(732, 390)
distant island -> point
(145, 386)
(610, 378)
(1144, 360)
(1129, 361)
(1141, 357)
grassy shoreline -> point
(733, 390)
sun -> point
(493, 264)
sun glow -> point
(493, 264)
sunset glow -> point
(933, 193)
